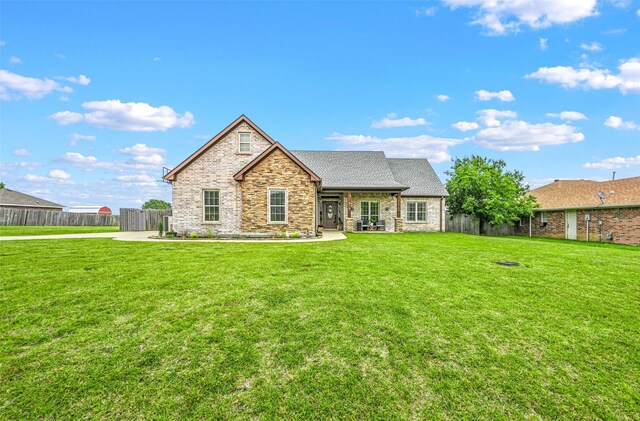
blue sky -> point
(96, 97)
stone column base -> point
(348, 224)
(399, 224)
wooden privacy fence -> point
(466, 224)
(132, 219)
(32, 217)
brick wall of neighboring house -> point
(387, 207)
(214, 169)
(278, 171)
(433, 215)
(623, 225)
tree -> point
(156, 204)
(2, 186)
(481, 187)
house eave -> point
(603, 206)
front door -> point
(572, 225)
(330, 214)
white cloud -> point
(492, 118)
(59, 174)
(21, 152)
(500, 17)
(15, 60)
(443, 97)
(75, 137)
(568, 115)
(627, 79)
(465, 126)
(618, 123)
(32, 178)
(138, 180)
(515, 135)
(638, 12)
(614, 163)
(80, 80)
(14, 86)
(130, 116)
(505, 96)
(143, 154)
(391, 121)
(543, 44)
(433, 148)
(593, 46)
(426, 11)
(23, 164)
(64, 98)
(79, 160)
(157, 58)
(2, 42)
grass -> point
(384, 326)
(27, 230)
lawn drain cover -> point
(508, 263)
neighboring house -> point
(10, 199)
(587, 210)
(242, 181)
(93, 210)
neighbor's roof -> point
(418, 175)
(572, 194)
(15, 198)
(356, 170)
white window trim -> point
(286, 206)
(240, 143)
(204, 221)
(543, 217)
(417, 221)
(369, 216)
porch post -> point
(348, 222)
(399, 223)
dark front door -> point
(330, 214)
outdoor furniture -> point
(380, 224)
(359, 225)
(365, 224)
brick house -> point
(243, 181)
(587, 210)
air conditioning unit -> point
(587, 217)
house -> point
(587, 210)
(243, 181)
(10, 199)
(93, 210)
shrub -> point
(193, 235)
(160, 228)
(295, 235)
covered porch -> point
(372, 210)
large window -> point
(211, 202)
(277, 206)
(244, 142)
(416, 212)
(370, 211)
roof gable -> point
(239, 176)
(15, 198)
(568, 194)
(170, 176)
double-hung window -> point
(370, 211)
(416, 212)
(211, 201)
(244, 142)
(277, 206)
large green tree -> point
(156, 204)
(483, 188)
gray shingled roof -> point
(15, 198)
(350, 169)
(419, 175)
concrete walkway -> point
(144, 236)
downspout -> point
(529, 226)
(588, 224)
(441, 213)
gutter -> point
(605, 206)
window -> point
(244, 142)
(277, 206)
(524, 221)
(543, 217)
(211, 202)
(370, 211)
(416, 212)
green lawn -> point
(26, 230)
(377, 326)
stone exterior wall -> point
(278, 171)
(387, 207)
(214, 169)
(433, 215)
(623, 225)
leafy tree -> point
(481, 187)
(156, 204)
(2, 186)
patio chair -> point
(365, 224)
(380, 224)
